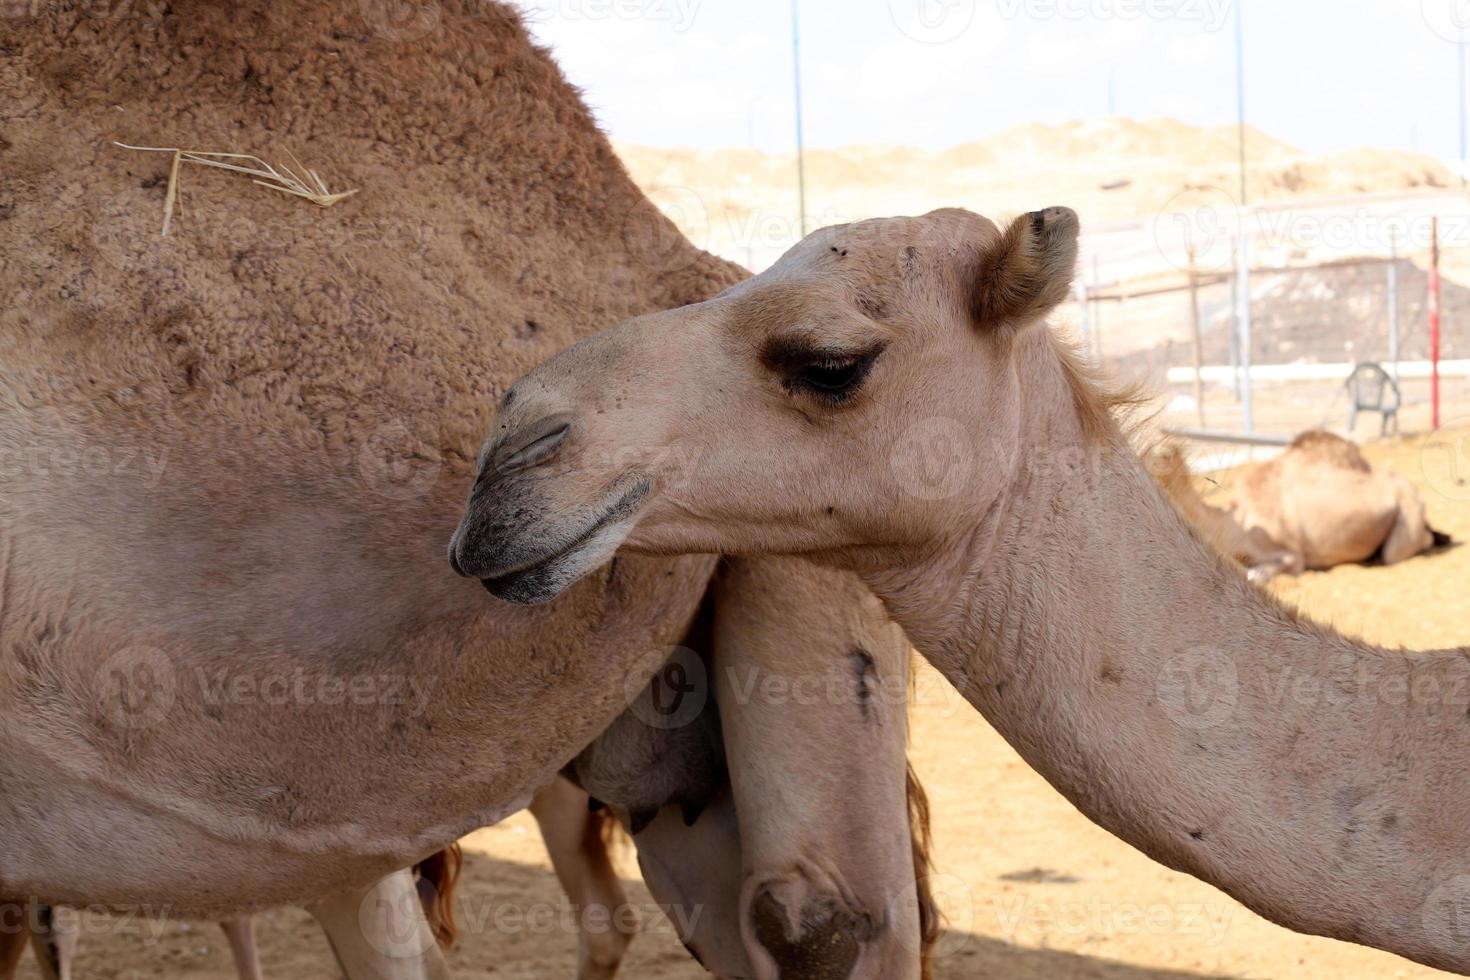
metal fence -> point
(1254, 333)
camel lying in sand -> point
(231, 658)
(1317, 505)
(1320, 780)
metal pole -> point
(1434, 316)
(1097, 319)
(1199, 383)
(800, 134)
(1393, 305)
(1464, 174)
(1240, 94)
(1245, 330)
(1085, 320)
(1235, 332)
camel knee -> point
(601, 953)
(811, 935)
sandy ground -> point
(1031, 889)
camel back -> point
(493, 224)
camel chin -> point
(543, 582)
(543, 560)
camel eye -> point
(832, 378)
(828, 374)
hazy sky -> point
(717, 73)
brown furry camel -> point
(234, 671)
(1317, 505)
(888, 400)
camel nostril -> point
(454, 555)
(530, 447)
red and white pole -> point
(1434, 316)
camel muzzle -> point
(526, 547)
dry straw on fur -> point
(283, 178)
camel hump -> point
(1324, 447)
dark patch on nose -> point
(865, 680)
(1197, 834)
(827, 943)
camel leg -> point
(818, 776)
(1410, 534)
(380, 932)
(54, 932)
(241, 935)
(13, 937)
(1280, 563)
(573, 839)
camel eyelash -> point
(828, 375)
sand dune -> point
(742, 203)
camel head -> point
(786, 415)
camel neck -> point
(1319, 780)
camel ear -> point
(1023, 276)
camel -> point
(1317, 505)
(1324, 503)
(231, 659)
(887, 399)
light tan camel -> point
(1322, 501)
(886, 399)
(1317, 505)
(231, 659)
